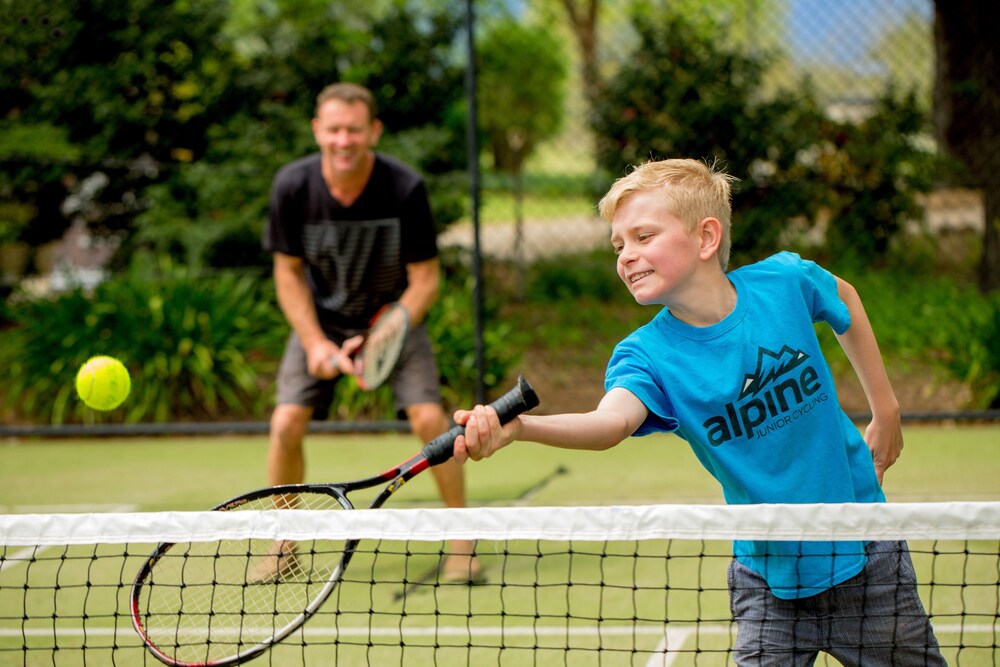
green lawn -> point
(152, 474)
(939, 463)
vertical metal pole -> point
(473, 141)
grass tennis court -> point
(155, 474)
(170, 473)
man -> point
(351, 230)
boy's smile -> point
(657, 255)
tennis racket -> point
(378, 354)
(225, 602)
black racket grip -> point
(519, 399)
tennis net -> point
(621, 585)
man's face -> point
(345, 134)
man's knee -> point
(289, 424)
(427, 420)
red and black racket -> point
(227, 601)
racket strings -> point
(205, 601)
(383, 345)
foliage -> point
(522, 76)
(871, 172)
(452, 326)
(211, 213)
(196, 346)
(182, 111)
(558, 280)
(118, 88)
(683, 93)
(937, 322)
(203, 347)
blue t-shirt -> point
(754, 397)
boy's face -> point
(657, 256)
(345, 133)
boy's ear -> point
(710, 230)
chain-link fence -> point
(136, 135)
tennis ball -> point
(103, 383)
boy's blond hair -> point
(693, 190)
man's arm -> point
(424, 283)
(297, 304)
(616, 417)
(884, 434)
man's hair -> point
(349, 93)
(692, 190)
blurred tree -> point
(582, 16)
(212, 213)
(906, 51)
(178, 113)
(967, 109)
(684, 93)
(522, 75)
(101, 98)
(873, 170)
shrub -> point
(203, 348)
(562, 278)
(196, 347)
(934, 321)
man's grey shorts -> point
(415, 379)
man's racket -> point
(225, 602)
(382, 346)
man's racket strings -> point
(225, 602)
(382, 346)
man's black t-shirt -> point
(355, 256)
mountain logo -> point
(783, 388)
(770, 367)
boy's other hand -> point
(886, 443)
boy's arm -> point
(616, 417)
(884, 434)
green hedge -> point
(199, 348)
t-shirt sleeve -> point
(283, 231)
(819, 291)
(419, 234)
(629, 370)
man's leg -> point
(285, 465)
(428, 421)
(285, 456)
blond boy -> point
(733, 366)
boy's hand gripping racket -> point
(382, 346)
(225, 602)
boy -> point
(732, 365)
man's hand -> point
(325, 360)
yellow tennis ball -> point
(103, 383)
